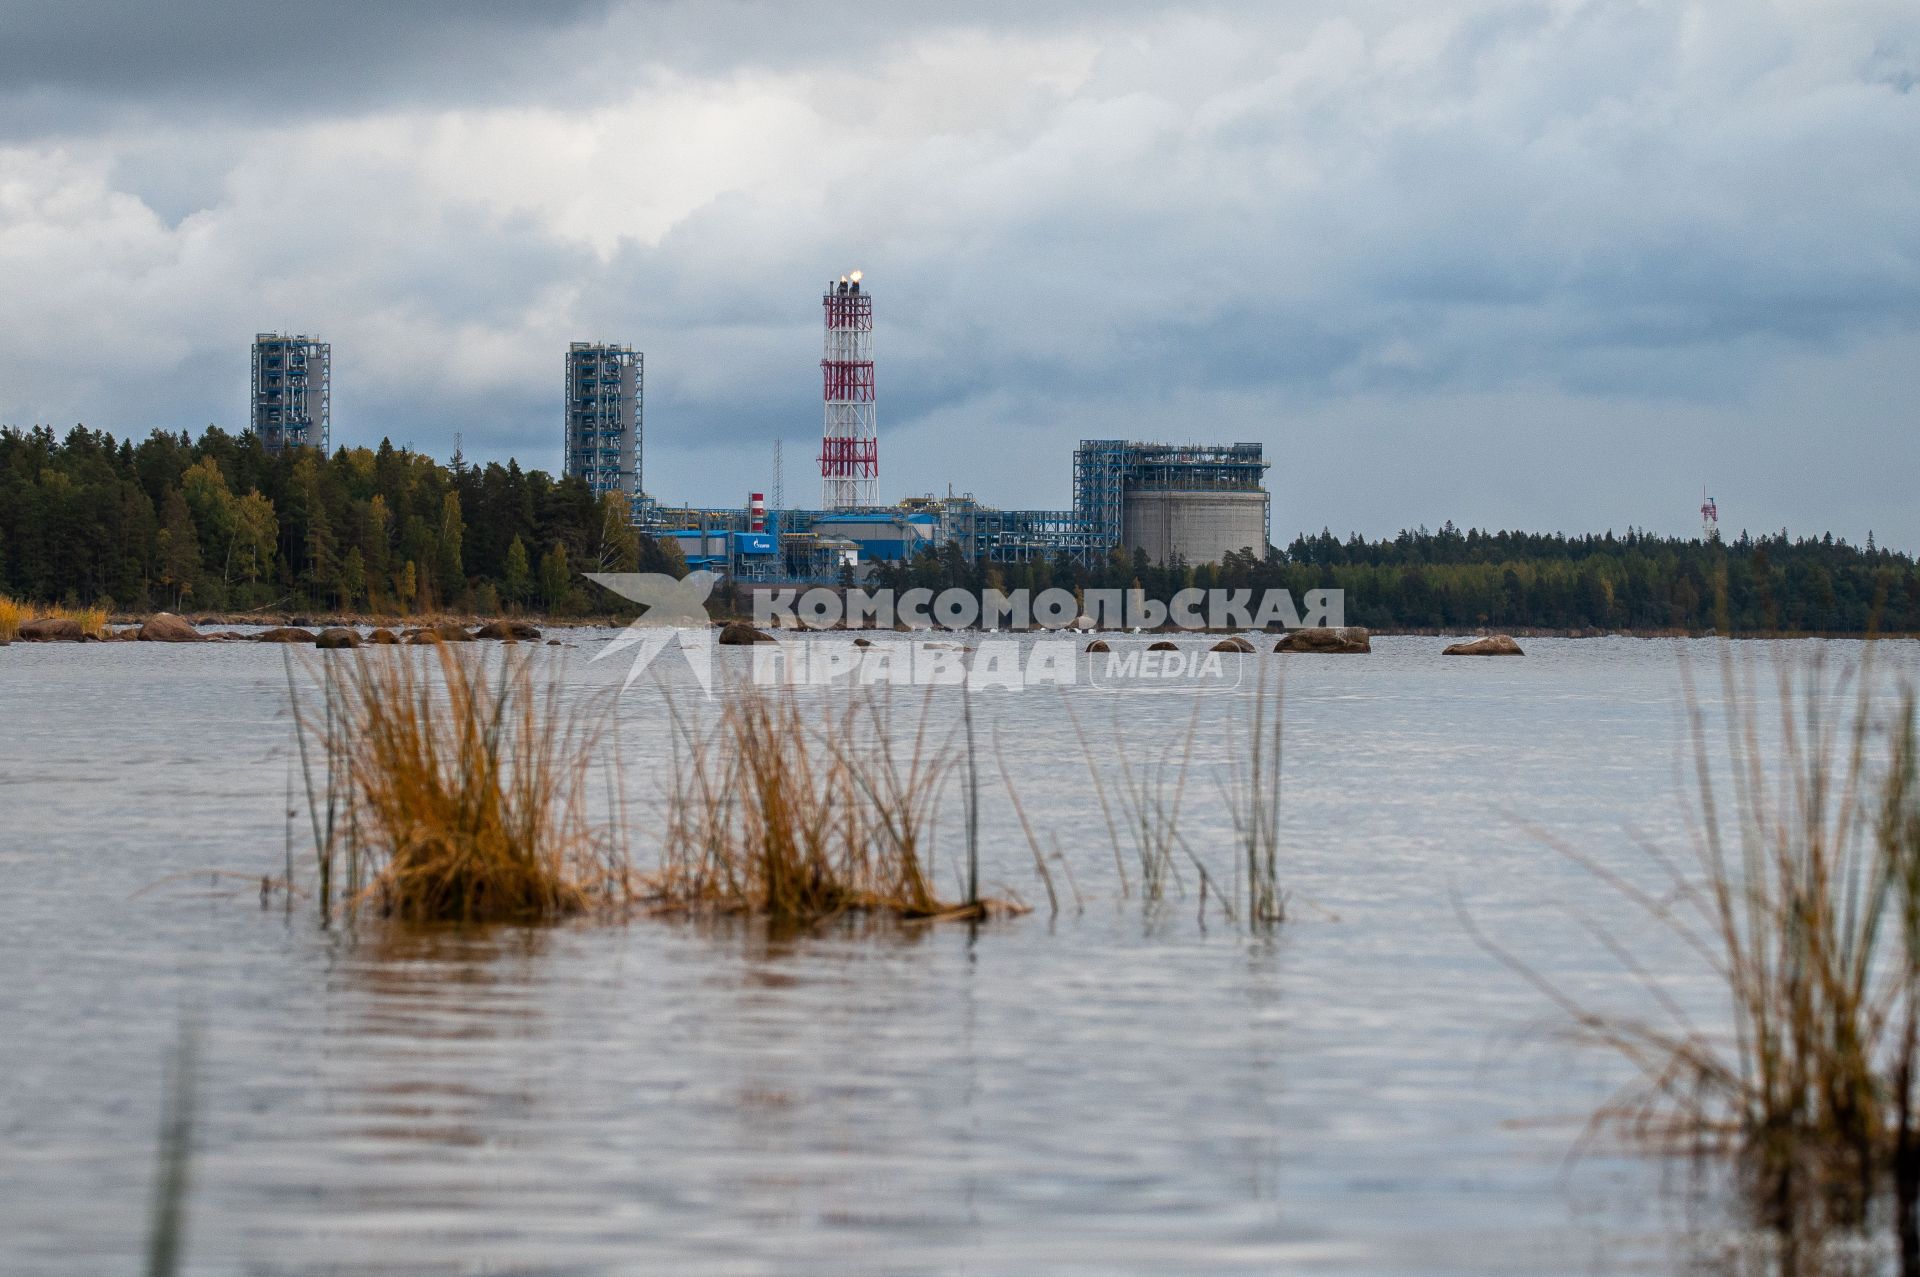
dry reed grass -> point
(1802, 897)
(442, 789)
(772, 814)
(14, 614)
(1146, 798)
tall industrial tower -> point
(606, 394)
(292, 391)
(849, 443)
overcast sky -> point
(1540, 265)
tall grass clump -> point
(1802, 896)
(1143, 806)
(14, 614)
(448, 786)
(773, 812)
(1252, 793)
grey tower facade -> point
(292, 391)
(606, 396)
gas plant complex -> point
(1192, 502)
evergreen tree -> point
(556, 578)
(518, 574)
(179, 548)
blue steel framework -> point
(292, 391)
(1104, 472)
(606, 406)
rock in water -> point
(285, 634)
(445, 632)
(1492, 645)
(336, 636)
(382, 637)
(1235, 644)
(165, 627)
(735, 634)
(52, 629)
(507, 630)
(1163, 646)
(1098, 645)
(1344, 640)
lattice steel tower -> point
(606, 398)
(849, 443)
(292, 391)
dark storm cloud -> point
(65, 65)
(1395, 242)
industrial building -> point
(1195, 503)
(292, 391)
(1191, 502)
(606, 396)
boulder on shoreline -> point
(1341, 641)
(1163, 645)
(1235, 644)
(508, 631)
(1492, 645)
(734, 634)
(285, 634)
(1098, 645)
(445, 632)
(383, 637)
(52, 629)
(335, 637)
(165, 627)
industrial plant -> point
(292, 391)
(1192, 503)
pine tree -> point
(518, 574)
(450, 571)
(179, 547)
(556, 578)
(353, 577)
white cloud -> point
(1580, 217)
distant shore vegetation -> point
(218, 525)
(1451, 580)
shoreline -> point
(204, 621)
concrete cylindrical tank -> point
(1199, 526)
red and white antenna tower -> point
(1709, 517)
(849, 444)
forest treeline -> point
(1453, 580)
(217, 524)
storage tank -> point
(1197, 526)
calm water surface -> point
(1365, 1091)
